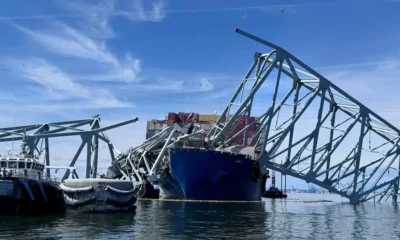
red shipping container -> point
(196, 117)
(170, 122)
(250, 133)
(242, 118)
(181, 117)
(170, 116)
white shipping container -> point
(150, 126)
(159, 126)
(204, 126)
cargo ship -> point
(199, 174)
(195, 173)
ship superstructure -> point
(22, 189)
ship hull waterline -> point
(195, 174)
(20, 196)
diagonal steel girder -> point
(325, 136)
(38, 136)
(144, 161)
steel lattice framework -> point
(146, 160)
(37, 138)
(324, 135)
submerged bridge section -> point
(323, 135)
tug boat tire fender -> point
(68, 189)
(78, 203)
(109, 188)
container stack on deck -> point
(206, 122)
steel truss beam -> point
(37, 139)
(145, 161)
(326, 136)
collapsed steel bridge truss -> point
(37, 137)
(323, 135)
(144, 162)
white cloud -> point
(152, 11)
(86, 41)
(100, 14)
(205, 85)
(48, 76)
(375, 86)
(61, 90)
(97, 16)
(147, 10)
(76, 43)
(201, 84)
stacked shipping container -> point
(154, 127)
(206, 122)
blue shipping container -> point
(150, 133)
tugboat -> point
(272, 192)
(23, 191)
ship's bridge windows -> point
(21, 164)
(3, 164)
(12, 164)
(28, 165)
(37, 166)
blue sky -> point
(121, 59)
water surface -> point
(270, 219)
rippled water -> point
(273, 219)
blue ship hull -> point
(19, 196)
(210, 175)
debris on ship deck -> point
(176, 158)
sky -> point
(64, 60)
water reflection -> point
(189, 220)
(274, 219)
